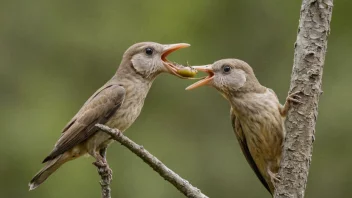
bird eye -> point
(149, 51)
(226, 68)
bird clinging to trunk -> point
(256, 114)
(117, 104)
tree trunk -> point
(310, 49)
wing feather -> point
(97, 109)
(245, 150)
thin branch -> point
(106, 177)
(181, 184)
(310, 49)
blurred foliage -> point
(55, 54)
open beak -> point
(205, 81)
(168, 49)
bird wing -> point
(98, 109)
(244, 147)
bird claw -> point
(100, 164)
(108, 173)
(103, 168)
(274, 177)
(291, 98)
(294, 98)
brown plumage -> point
(256, 114)
(116, 104)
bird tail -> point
(49, 168)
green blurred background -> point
(55, 54)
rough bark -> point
(106, 177)
(181, 184)
(310, 49)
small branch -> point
(106, 177)
(310, 50)
(181, 184)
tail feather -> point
(46, 171)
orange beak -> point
(168, 49)
(207, 80)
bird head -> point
(149, 59)
(228, 76)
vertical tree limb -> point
(310, 49)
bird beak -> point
(205, 81)
(168, 49)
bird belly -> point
(98, 141)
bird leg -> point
(292, 98)
(103, 167)
(102, 152)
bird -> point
(256, 114)
(116, 104)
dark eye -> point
(226, 68)
(149, 51)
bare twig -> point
(106, 177)
(181, 184)
(310, 49)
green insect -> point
(187, 72)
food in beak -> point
(204, 81)
(187, 72)
(176, 69)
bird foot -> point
(294, 98)
(274, 177)
(103, 169)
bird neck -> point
(247, 101)
(136, 85)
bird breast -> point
(123, 118)
(129, 110)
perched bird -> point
(256, 114)
(117, 104)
